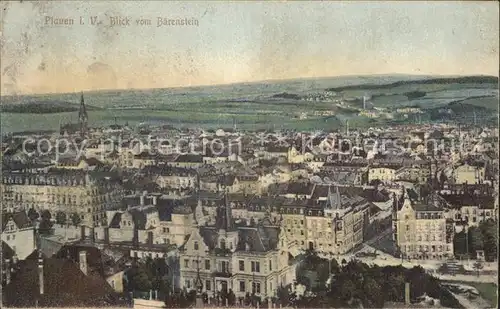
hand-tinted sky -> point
(238, 42)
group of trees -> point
(484, 237)
(152, 274)
(45, 219)
(354, 283)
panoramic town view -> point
(249, 155)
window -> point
(223, 244)
(256, 287)
(270, 265)
(196, 246)
(242, 286)
(186, 263)
(208, 285)
(255, 267)
(242, 265)
(407, 228)
(8, 237)
(207, 264)
(224, 266)
(187, 283)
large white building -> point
(244, 258)
(421, 230)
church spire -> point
(82, 116)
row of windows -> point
(224, 265)
(254, 266)
(424, 248)
(242, 286)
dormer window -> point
(223, 244)
(196, 246)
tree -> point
(139, 278)
(489, 232)
(372, 296)
(395, 285)
(45, 227)
(60, 218)
(75, 219)
(284, 295)
(33, 214)
(475, 240)
(46, 215)
(347, 290)
(45, 222)
(460, 244)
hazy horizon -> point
(241, 42)
(410, 76)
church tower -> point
(83, 117)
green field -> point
(253, 106)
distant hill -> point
(43, 107)
(286, 95)
(465, 110)
(453, 80)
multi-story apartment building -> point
(245, 259)
(172, 177)
(381, 173)
(469, 209)
(328, 222)
(469, 174)
(394, 169)
(84, 193)
(421, 230)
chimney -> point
(150, 238)
(83, 261)
(40, 272)
(106, 235)
(407, 293)
(7, 271)
(82, 232)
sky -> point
(239, 42)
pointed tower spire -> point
(82, 116)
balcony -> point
(222, 274)
(222, 252)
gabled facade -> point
(18, 233)
(421, 231)
(244, 259)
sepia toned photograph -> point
(249, 154)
